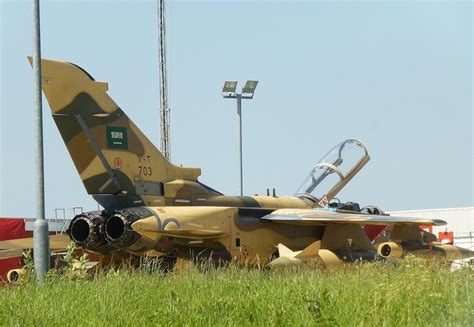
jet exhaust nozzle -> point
(118, 230)
(86, 231)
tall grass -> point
(376, 294)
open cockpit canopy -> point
(333, 172)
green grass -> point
(377, 294)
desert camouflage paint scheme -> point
(121, 168)
(117, 163)
(153, 207)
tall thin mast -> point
(165, 142)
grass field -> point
(377, 294)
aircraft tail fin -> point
(110, 153)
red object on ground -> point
(373, 231)
(446, 237)
(10, 228)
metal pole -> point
(40, 233)
(165, 136)
(239, 112)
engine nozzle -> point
(118, 230)
(85, 231)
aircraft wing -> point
(323, 217)
(56, 242)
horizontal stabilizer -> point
(12, 253)
(56, 242)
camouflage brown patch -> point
(81, 152)
(248, 201)
(98, 183)
(87, 107)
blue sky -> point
(396, 75)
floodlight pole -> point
(228, 91)
(239, 112)
(40, 232)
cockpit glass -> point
(333, 168)
(319, 181)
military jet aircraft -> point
(153, 206)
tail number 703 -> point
(145, 170)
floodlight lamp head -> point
(249, 88)
(228, 90)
